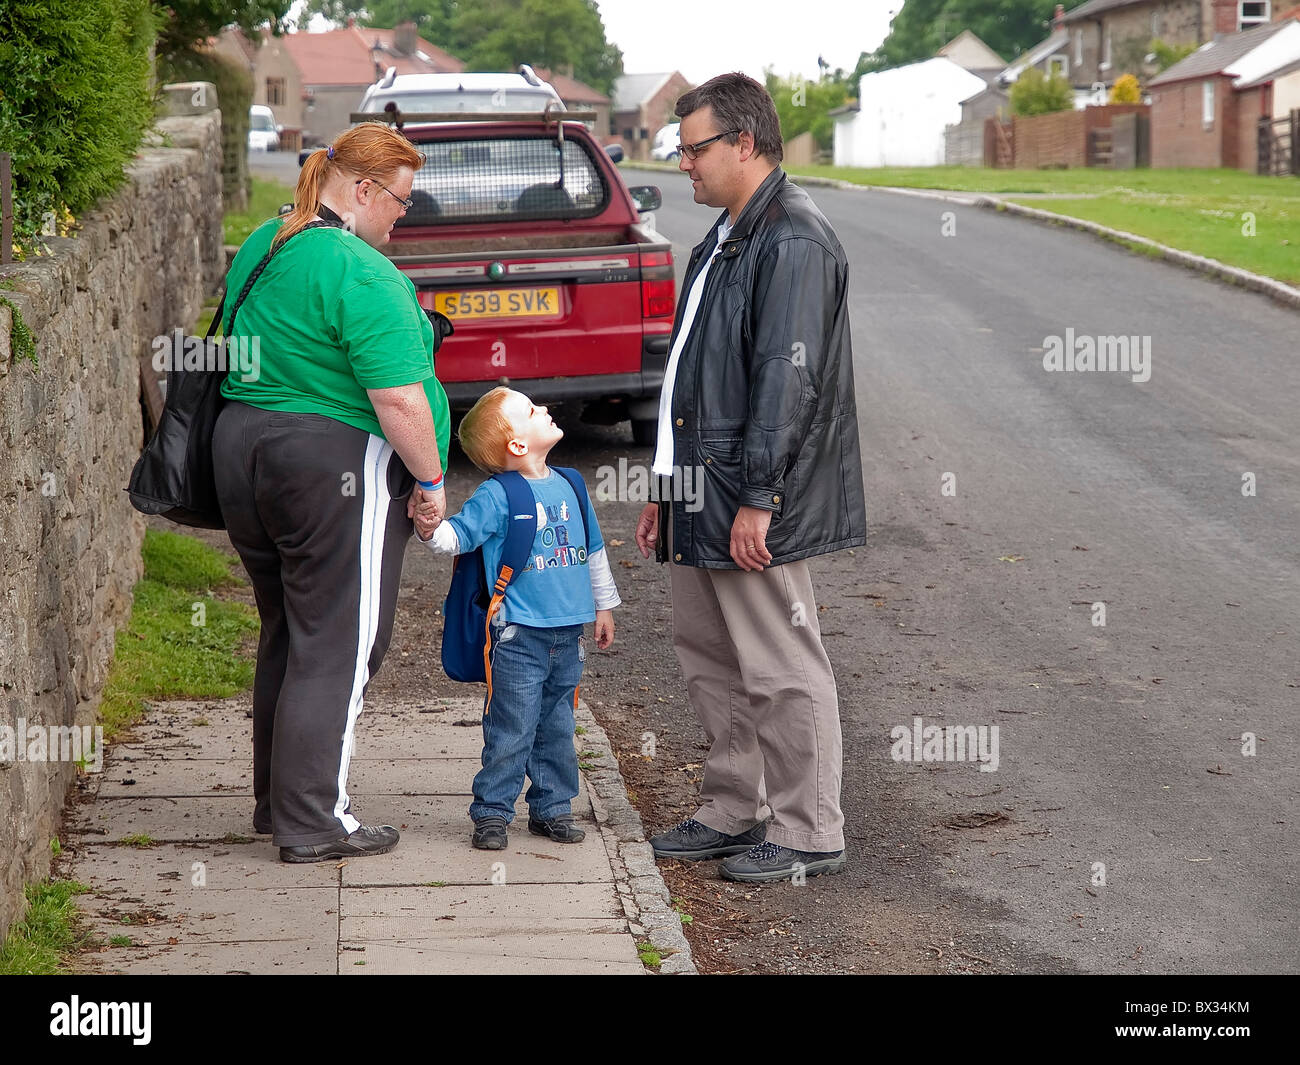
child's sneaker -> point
(561, 829)
(490, 834)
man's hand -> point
(647, 531)
(749, 538)
(604, 628)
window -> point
(473, 179)
(1252, 13)
(1207, 104)
(1058, 64)
(1078, 48)
(1105, 53)
(275, 91)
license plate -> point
(499, 303)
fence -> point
(1279, 145)
(1066, 138)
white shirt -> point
(663, 460)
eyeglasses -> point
(692, 150)
(407, 204)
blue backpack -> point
(470, 605)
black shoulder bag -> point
(174, 475)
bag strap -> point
(257, 270)
(579, 487)
(521, 528)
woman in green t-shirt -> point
(325, 446)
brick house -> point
(1096, 42)
(643, 105)
(1205, 111)
(313, 81)
(579, 96)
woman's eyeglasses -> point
(407, 204)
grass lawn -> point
(182, 641)
(1241, 219)
(264, 200)
(48, 930)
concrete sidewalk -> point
(208, 896)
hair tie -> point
(329, 152)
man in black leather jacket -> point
(758, 400)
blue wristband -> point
(430, 486)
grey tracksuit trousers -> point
(316, 509)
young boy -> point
(537, 650)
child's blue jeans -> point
(528, 725)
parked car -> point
(523, 91)
(665, 143)
(524, 234)
(263, 135)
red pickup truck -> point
(524, 234)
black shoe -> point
(770, 862)
(561, 829)
(692, 841)
(366, 840)
(490, 834)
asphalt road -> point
(1123, 830)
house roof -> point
(978, 55)
(1058, 40)
(1094, 8)
(1217, 57)
(632, 90)
(572, 90)
(348, 56)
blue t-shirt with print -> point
(554, 588)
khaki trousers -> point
(762, 688)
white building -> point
(901, 114)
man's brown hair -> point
(738, 102)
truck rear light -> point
(658, 288)
(657, 298)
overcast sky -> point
(702, 38)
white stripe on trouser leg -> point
(374, 524)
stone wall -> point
(70, 431)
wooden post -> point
(6, 210)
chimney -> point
(404, 38)
(1225, 16)
(1058, 17)
(351, 22)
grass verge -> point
(182, 641)
(38, 944)
(264, 199)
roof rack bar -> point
(420, 117)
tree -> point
(924, 26)
(1033, 93)
(187, 21)
(1169, 54)
(803, 104)
(1126, 90)
(501, 34)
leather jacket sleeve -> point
(795, 289)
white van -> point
(262, 133)
(665, 143)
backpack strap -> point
(579, 487)
(521, 529)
